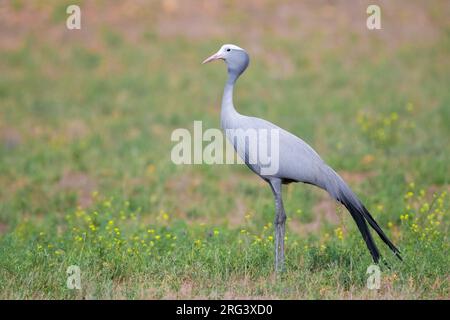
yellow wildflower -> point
(404, 217)
(339, 233)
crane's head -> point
(235, 57)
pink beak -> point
(215, 56)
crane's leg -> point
(279, 224)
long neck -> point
(227, 98)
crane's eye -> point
(228, 49)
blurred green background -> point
(85, 123)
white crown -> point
(231, 46)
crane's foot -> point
(279, 224)
(279, 265)
(279, 246)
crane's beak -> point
(215, 56)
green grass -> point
(86, 177)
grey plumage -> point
(298, 162)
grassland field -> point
(86, 178)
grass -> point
(86, 177)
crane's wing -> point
(296, 160)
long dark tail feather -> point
(380, 232)
(341, 192)
(360, 214)
(362, 226)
